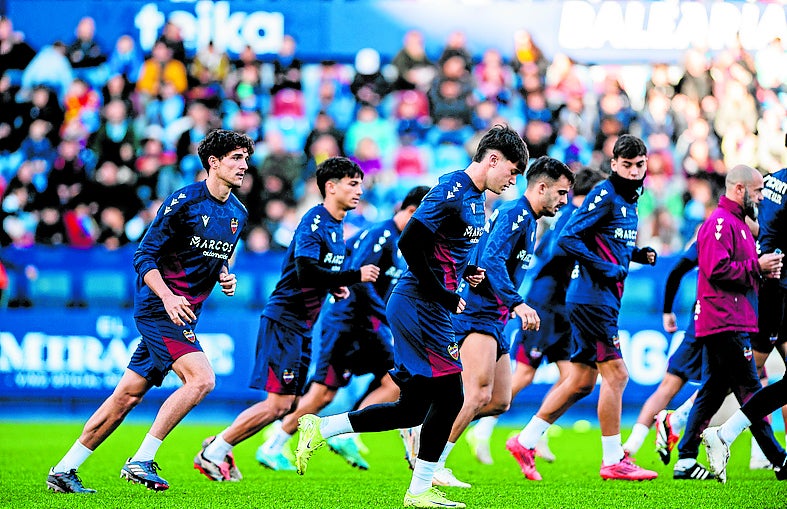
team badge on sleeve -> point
(747, 353)
(453, 351)
(189, 335)
(234, 224)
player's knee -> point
(583, 389)
(499, 406)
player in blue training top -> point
(179, 261)
(506, 253)
(312, 268)
(547, 296)
(436, 245)
(355, 338)
(601, 235)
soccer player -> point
(355, 338)
(180, 259)
(547, 295)
(725, 314)
(601, 236)
(436, 245)
(312, 268)
(506, 253)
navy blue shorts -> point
(282, 359)
(772, 303)
(348, 352)
(594, 333)
(552, 340)
(686, 361)
(424, 340)
(464, 324)
(162, 343)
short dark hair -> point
(220, 142)
(550, 168)
(336, 168)
(508, 142)
(415, 196)
(629, 146)
(586, 179)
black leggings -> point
(433, 402)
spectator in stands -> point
(287, 67)
(165, 108)
(412, 118)
(456, 45)
(369, 86)
(85, 54)
(115, 141)
(36, 147)
(494, 79)
(198, 122)
(172, 36)
(155, 166)
(696, 82)
(324, 124)
(771, 63)
(82, 105)
(118, 87)
(51, 68)
(161, 68)
(570, 147)
(126, 59)
(109, 191)
(528, 58)
(70, 167)
(285, 165)
(368, 123)
(213, 63)
(413, 67)
(450, 104)
(771, 152)
(15, 53)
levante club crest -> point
(189, 335)
(288, 376)
(234, 225)
(453, 351)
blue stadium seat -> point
(107, 288)
(51, 288)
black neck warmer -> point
(629, 189)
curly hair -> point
(220, 142)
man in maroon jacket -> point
(726, 313)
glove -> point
(641, 256)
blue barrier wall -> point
(54, 357)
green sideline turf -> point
(28, 450)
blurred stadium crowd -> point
(91, 138)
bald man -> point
(726, 314)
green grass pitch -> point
(29, 449)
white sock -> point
(685, 463)
(734, 426)
(530, 435)
(485, 426)
(612, 449)
(335, 425)
(422, 476)
(276, 442)
(147, 451)
(217, 450)
(638, 434)
(444, 456)
(681, 415)
(73, 458)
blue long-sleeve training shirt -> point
(297, 303)
(601, 235)
(506, 252)
(190, 240)
(377, 246)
